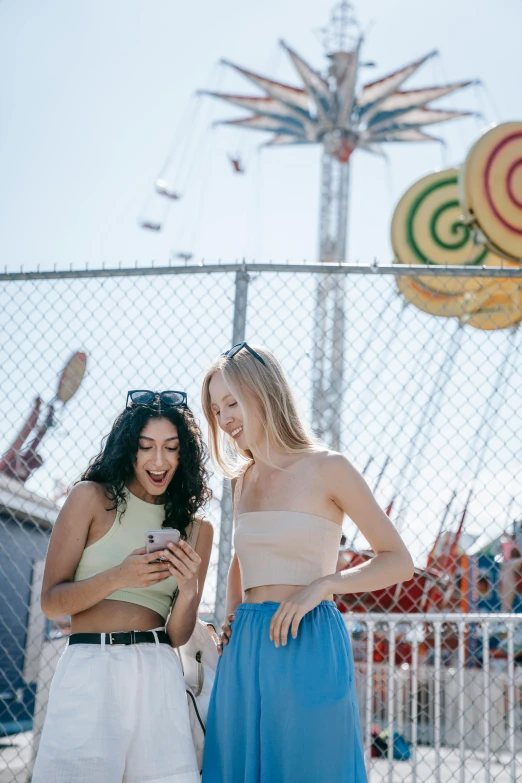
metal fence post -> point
(227, 521)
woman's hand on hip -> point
(183, 563)
(290, 612)
(226, 632)
(140, 569)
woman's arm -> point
(392, 562)
(60, 595)
(234, 587)
(190, 567)
(234, 598)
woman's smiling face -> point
(229, 414)
(157, 459)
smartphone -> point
(157, 540)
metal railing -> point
(203, 268)
(448, 712)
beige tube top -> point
(283, 547)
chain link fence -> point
(427, 407)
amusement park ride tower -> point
(327, 110)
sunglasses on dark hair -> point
(172, 399)
(236, 348)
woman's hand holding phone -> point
(140, 569)
(183, 563)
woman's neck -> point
(136, 489)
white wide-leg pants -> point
(117, 714)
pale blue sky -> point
(92, 92)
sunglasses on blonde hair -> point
(239, 347)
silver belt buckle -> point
(132, 635)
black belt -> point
(124, 637)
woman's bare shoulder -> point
(323, 458)
(205, 524)
(88, 494)
(328, 467)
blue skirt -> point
(286, 714)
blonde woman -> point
(284, 707)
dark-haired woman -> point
(117, 710)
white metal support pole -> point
(329, 324)
(227, 521)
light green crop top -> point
(126, 534)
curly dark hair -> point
(114, 466)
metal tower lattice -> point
(342, 43)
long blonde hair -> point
(266, 387)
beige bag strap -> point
(192, 538)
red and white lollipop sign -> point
(491, 189)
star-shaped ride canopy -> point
(328, 110)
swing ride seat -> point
(164, 188)
(236, 165)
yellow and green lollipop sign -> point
(434, 224)
(427, 228)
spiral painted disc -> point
(491, 188)
(503, 308)
(433, 302)
(496, 306)
(427, 228)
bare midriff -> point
(111, 615)
(276, 593)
